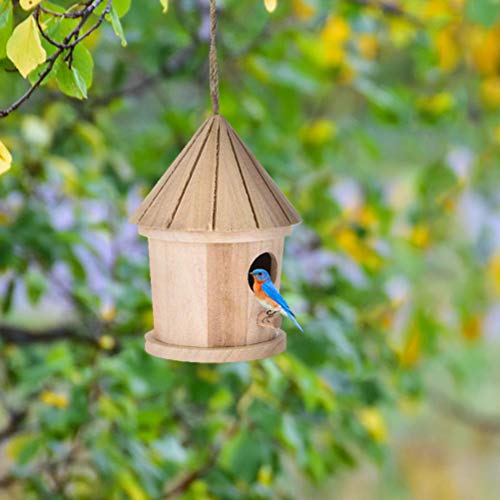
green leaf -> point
(436, 180)
(164, 4)
(382, 99)
(6, 25)
(36, 286)
(56, 28)
(8, 296)
(76, 80)
(131, 486)
(485, 12)
(244, 454)
(121, 6)
(22, 447)
(30, 449)
(80, 82)
(114, 19)
(24, 47)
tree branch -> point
(389, 8)
(16, 335)
(15, 422)
(188, 480)
(184, 483)
(66, 46)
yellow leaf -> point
(401, 32)
(447, 50)
(496, 134)
(108, 313)
(265, 475)
(366, 216)
(358, 250)
(132, 487)
(333, 37)
(368, 46)
(208, 374)
(420, 236)
(107, 342)
(271, 5)
(5, 158)
(334, 55)
(485, 50)
(29, 4)
(437, 104)
(320, 132)
(441, 10)
(336, 30)
(472, 328)
(490, 91)
(412, 351)
(53, 399)
(4, 219)
(373, 421)
(16, 444)
(494, 272)
(164, 4)
(24, 47)
(303, 10)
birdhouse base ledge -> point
(215, 354)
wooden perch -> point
(269, 320)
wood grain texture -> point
(215, 184)
(281, 200)
(201, 295)
(226, 275)
(179, 291)
(141, 213)
(217, 236)
(231, 302)
(262, 350)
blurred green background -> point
(380, 121)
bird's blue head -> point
(261, 275)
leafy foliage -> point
(380, 122)
(24, 47)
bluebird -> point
(269, 297)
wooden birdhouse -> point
(214, 216)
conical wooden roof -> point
(215, 184)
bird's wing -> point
(272, 292)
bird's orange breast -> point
(257, 288)
(261, 295)
(257, 285)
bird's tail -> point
(295, 322)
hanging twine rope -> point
(214, 70)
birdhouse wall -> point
(201, 294)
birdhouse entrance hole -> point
(265, 261)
